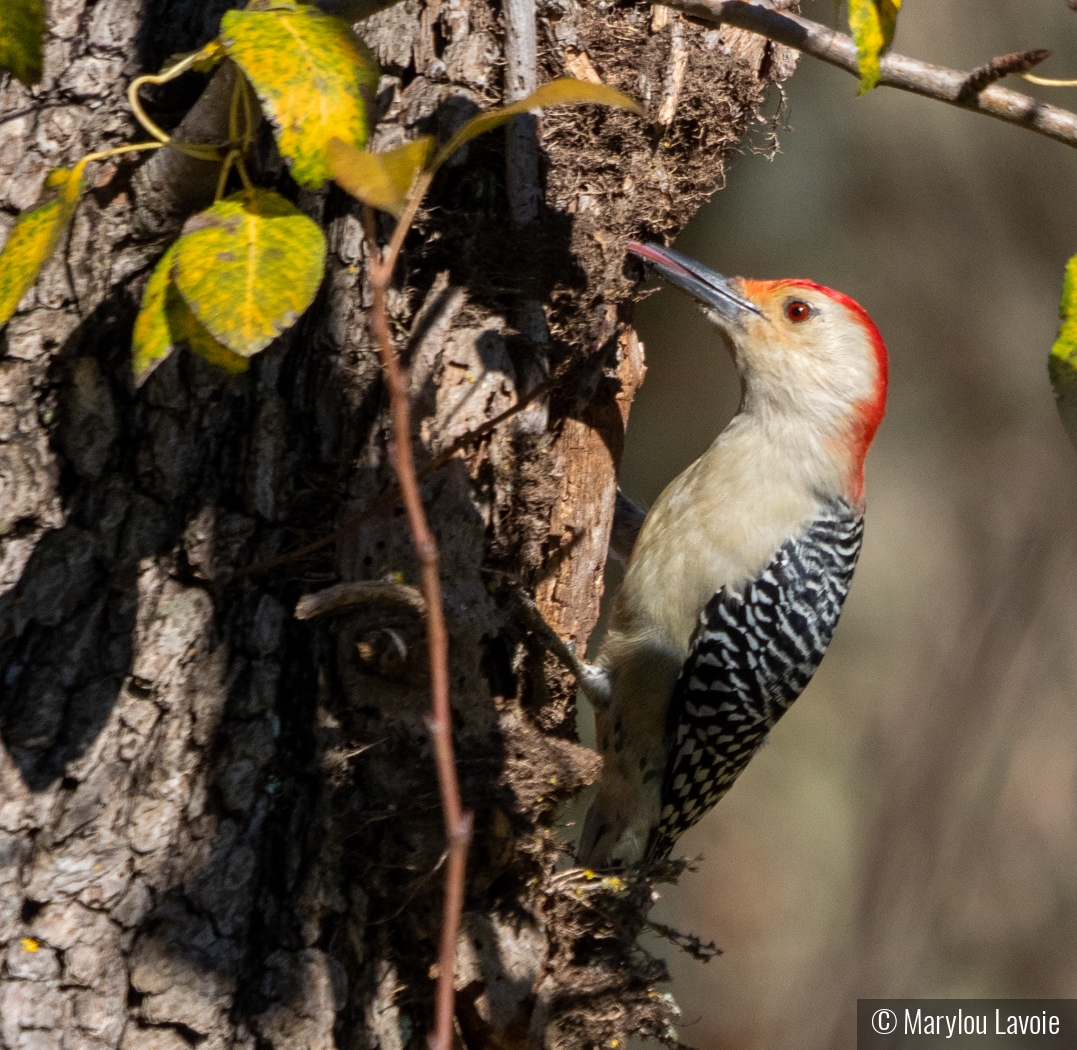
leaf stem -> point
(198, 150)
(116, 151)
(241, 167)
(381, 272)
(1047, 81)
(233, 110)
(159, 78)
(222, 179)
(248, 114)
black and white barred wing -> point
(751, 657)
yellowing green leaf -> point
(314, 77)
(22, 32)
(199, 339)
(873, 23)
(381, 180)
(34, 237)
(1062, 364)
(248, 267)
(563, 92)
(152, 340)
(165, 321)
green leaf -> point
(34, 237)
(248, 267)
(381, 180)
(1062, 364)
(165, 322)
(563, 92)
(22, 33)
(314, 78)
(873, 23)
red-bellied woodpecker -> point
(738, 575)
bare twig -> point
(673, 83)
(457, 822)
(547, 636)
(360, 592)
(521, 140)
(688, 943)
(523, 184)
(897, 71)
(579, 64)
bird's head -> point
(804, 352)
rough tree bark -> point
(219, 825)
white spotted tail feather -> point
(738, 574)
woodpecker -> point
(738, 574)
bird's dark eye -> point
(797, 310)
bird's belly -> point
(679, 579)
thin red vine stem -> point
(457, 823)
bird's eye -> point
(797, 310)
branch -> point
(521, 140)
(908, 74)
(457, 822)
(360, 592)
(524, 185)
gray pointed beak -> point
(712, 289)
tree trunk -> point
(219, 825)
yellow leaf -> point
(165, 321)
(563, 92)
(248, 267)
(1062, 364)
(152, 340)
(199, 339)
(314, 77)
(872, 23)
(29, 945)
(22, 32)
(34, 237)
(381, 180)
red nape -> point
(872, 410)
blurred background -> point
(911, 830)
